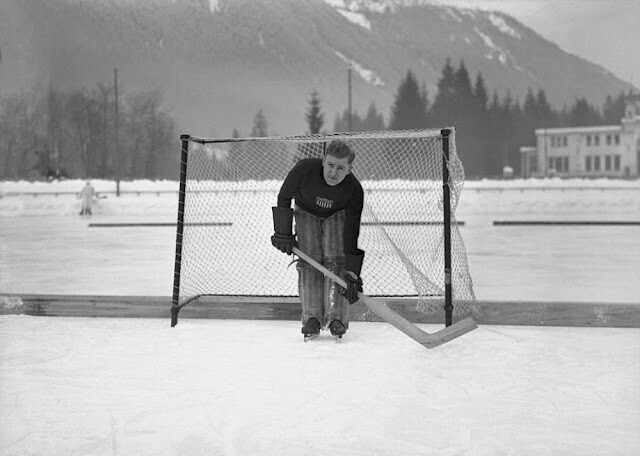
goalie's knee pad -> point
(311, 291)
(336, 307)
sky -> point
(605, 32)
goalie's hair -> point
(340, 149)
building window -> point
(587, 163)
(564, 141)
(607, 162)
(588, 140)
(616, 139)
(596, 140)
(616, 162)
(608, 140)
(596, 163)
(565, 163)
(533, 164)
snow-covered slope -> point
(218, 62)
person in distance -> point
(328, 208)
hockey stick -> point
(382, 310)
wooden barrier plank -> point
(565, 222)
(154, 224)
(526, 313)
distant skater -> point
(87, 194)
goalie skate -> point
(311, 329)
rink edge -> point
(526, 313)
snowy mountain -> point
(219, 61)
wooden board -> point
(528, 313)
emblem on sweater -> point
(324, 203)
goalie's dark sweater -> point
(305, 182)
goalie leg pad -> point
(311, 291)
(333, 237)
(336, 307)
(309, 232)
(310, 280)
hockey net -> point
(231, 185)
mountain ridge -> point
(218, 62)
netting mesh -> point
(232, 184)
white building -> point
(598, 151)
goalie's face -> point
(335, 169)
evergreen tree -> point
(480, 94)
(583, 114)
(259, 128)
(410, 108)
(441, 112)
(373, 121)
(342, 122)
(314, 116)
(613, 109)
(462, 86)
(480, 126)
(546, 115)
(530, 117)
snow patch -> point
(502, 55)
(356, 18)
(499, 23)
(375, 6)
(336, 3)
(368, 75)
(10, 302)
(452, 13)
(215, 6)
(486, 39)
(468, 12)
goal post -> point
(412, 180)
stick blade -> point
(449, 333)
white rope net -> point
(232, 184)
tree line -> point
(489, 130)
(86, 134)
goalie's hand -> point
(284, 242)
(354, 285)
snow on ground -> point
(77, 386)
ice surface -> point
(78, 386)
(45, 247)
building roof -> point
(578, 130)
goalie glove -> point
(283, 238)
(352, 276)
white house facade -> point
(596, 151)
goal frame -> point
(185, 139)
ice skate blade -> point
(310, 337)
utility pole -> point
(349, 93)
(118, 165)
